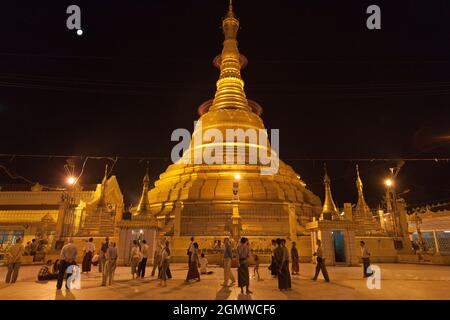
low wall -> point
(424, 259)
(381, 249)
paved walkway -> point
(398, 281)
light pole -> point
(389, 183)
(66, 219)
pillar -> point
(292, 222)
(348, 211)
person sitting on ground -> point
(45, 274)
(204, 265)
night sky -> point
(335, 89)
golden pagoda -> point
(196, 199)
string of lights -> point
(114, 159)
(143, 158)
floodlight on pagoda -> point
(237, 177)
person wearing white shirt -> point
(143, 263)
(365, 256)
(203, 264)
(165, 261)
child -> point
(204, 265)
(256, 270)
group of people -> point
(281, 260)
(106, 260)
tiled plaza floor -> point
(399, 281)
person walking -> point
(89, 249)
(135, 258)
(189, 251)
(157, 259)
(365, 256)
(102, 254)
(227, 257)
(243, 273)
(295, 259)
(68, 258)
(256, 268)
(320, 263)
(110, 264)
(282, 261)
(273, 266)
(33, 248)
(193, 267)
(143, 263)
(165, 261)
(14, 260)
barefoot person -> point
(165, 261)
(256, 268)
(89, 249)
(46, 274)
(14, 259)
(135, 259)
(227, 257)
(320, 263)
(193, 273)
(295, 259)
(365, 256)
(143, 264)
(243, 273)
(68, 258)
(282, 261)
(157, 259)
(110, 265)
(273, 266)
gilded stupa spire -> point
(359, 187)
(143, 205)
(330, 210)
(230, 86)
(362, 212)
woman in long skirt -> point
(89, 250)
(243, 273)
(282, 259)
(273, 264)
(193, 266)
(164, 264)
(295, 259)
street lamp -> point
(71, 180)
(389, 183)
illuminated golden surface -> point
(196, 199)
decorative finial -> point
(230, 9)
(326, 178)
